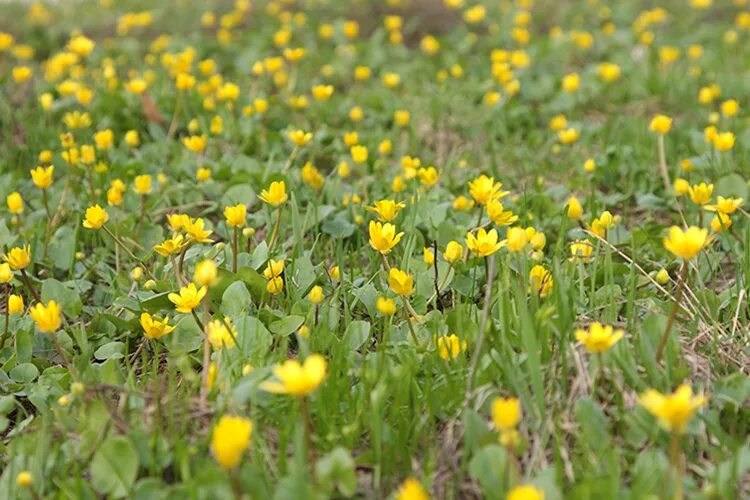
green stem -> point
(678, 298)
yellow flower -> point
(411, 489)
(681, 186)
(322, 92)
(299, 137)
(195, 143)
(206, 273)
(575, 210)
(506, 413)
(483, 189)
(686, 244)
(730, 108)
(42, 177)
(540, 280)
(275, 285)
(383, 237)
(359, 154)
(230, 439)
(598, 337)
(6, 274)
(15, 203)
(18, 257)
(189, 298)
(660, 124)
(516, 239)
(316, 295)
(203, 174)
(81, 45)
(499, 215)
(21, 73)
(568, 135)
(428, 256)
(675, 410)
(236, 215)
(725, 205)
(401, 117)
(720, 222)
(24, 479)
(142, 184)
(132, 139)
(96, 217)
(221, 334)
(170, 246)
(700, 194)
(387, 210)
(600, 225)
(450, 346)
(15, 304)
(558, 123)
(153, 328)
(571, 82)
(104, 139)
(724, 141)
(525, 492)
(312, 176)
(297, 379)
(463, 204)
(608, 72)
(400, 282)
(581, 250)
(47, 318)
(385, 306)
(273, 268)
(275, 195)
(195, 231)
(484, 243)
(453, 251)
(428, 176)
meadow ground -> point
(395, 249)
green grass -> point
(388, 409)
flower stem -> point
(275, 233)
(308, 434)
(663, 164)
(678, 298)
(7, 316)
(128, 251)
(676, 460)
(235, 248)
(206, 356)
(28, 284)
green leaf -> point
(357, 333)
(732, 185)
(253, 338)
(62, 248)
(488, 467)
(337, 470)
(68, 298)
(287, 325)
(186, 337)
(338, 227)
(236, 299)
(114, 467)
(110, 350)
(24, 373)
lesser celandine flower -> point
(540, 280)
(483, 189)
(598, 337)
(506, 413)
(316, 295)
(568, 135)
(15, 304)
(453, 251)
(18, 257)
(170, 246)
(273, 268)
(206, 273)
(24, 479)
(411, 489)
(660, 124)
(525, 492)
(275, 285)
(484, 243)
(297, 379)
(6, 274)
(501, 217)
(516, 239)
(675, 410)
(221, 334)
(195, 230)
(400, 282)
(686, 244)
(700, 194)
(236, 215)
(95, 218)
(450, 346)
(47, 317)
(723, 141)
(383, 237)
(574, 210)
(299, 137)
(725, 205)
(230, 439)
(581, 250)
(385, 306)
(42, 176)
(387, 210)
(189, 298)
(195, 143)
(153, 328)
(15, 203)
(275, 195)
